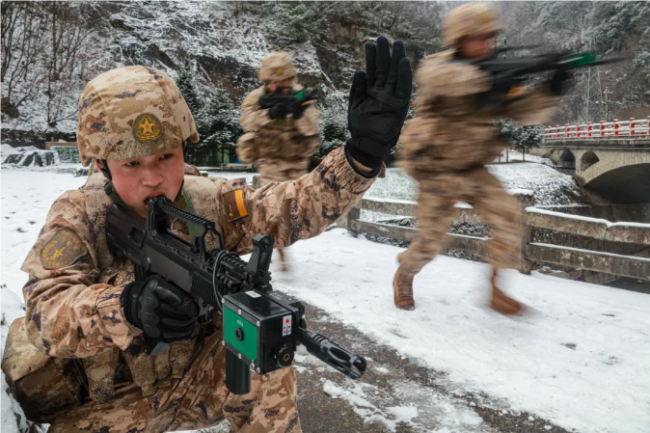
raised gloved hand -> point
(379, 102)
(161, 310)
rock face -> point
(226, 42)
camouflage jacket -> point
(280, 148)
(450, 134)
(73, 293)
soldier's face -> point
(274, 85)
(478, 47)
(136, 180)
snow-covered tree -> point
(522, 138)
(333, 128)
(296, 21)
(187, 84)
(218, 126)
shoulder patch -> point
(235, 205)
(62, 250)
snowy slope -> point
(579, 361)
(163, 35)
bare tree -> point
(22, 45)
(68, 35)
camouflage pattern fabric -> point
(469, 19)
(446, 147)
(73, 311)
(436, 210)
(156, 117)
(277, 66)
(280, 148)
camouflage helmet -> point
(470, 19)
(276, 66)
(132, 112)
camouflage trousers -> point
(436, 210)
(269, 174)
(199, 400)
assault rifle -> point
(261, 328)
(302, 97)
(510, 73)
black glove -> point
(278, 111)
(557, 83)
(299, 108)
(379, 102)
(161, 310)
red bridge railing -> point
(627, 128)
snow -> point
(601, 385)
(578, 359)
(359, 397)
(27, 195)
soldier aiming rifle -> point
(281, 121)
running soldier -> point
(446, 148)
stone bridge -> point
(616, 168)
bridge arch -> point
(588, 159)
(567, 159)
(623, 184)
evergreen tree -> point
(296, 21)
(218, 126)
(333, 128)
(187, 84)
(522, 138)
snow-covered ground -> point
(579, 359)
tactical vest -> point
(47, 386)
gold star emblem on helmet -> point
(147, 127)
(279, 71)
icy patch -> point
(423, 409)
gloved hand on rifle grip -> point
(379, 102)
(278, 111)
(299, 107)
(558, 84)
(160, 309)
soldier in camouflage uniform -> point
(282, 139)
(446, 147)
(79, 357)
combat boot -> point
(403, 289)
(502, 303)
